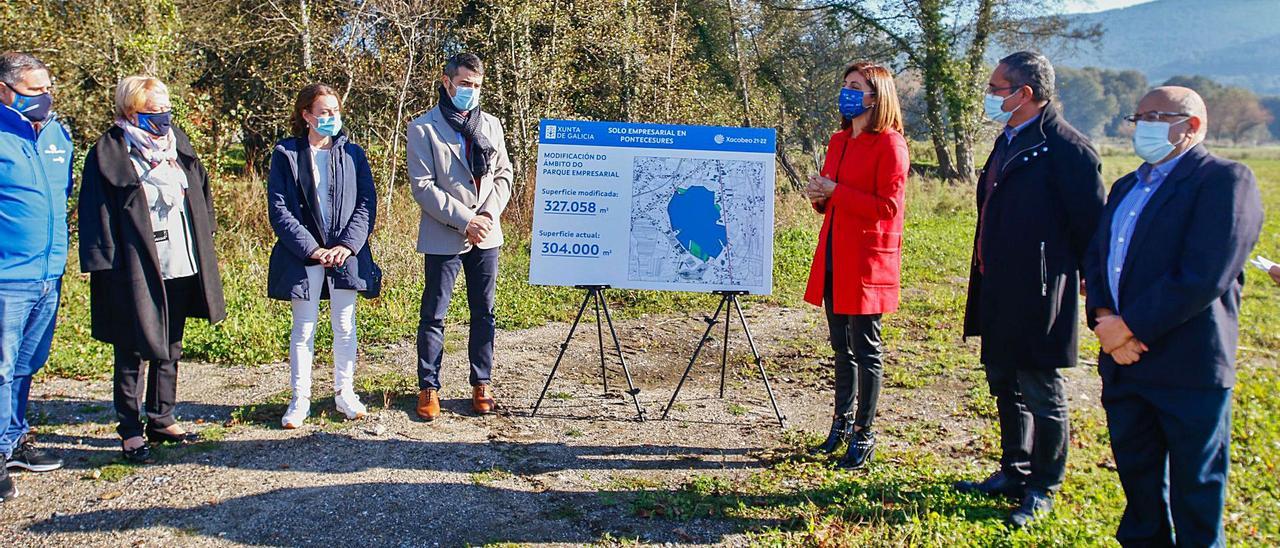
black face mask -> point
(157, 123)
(34, 107)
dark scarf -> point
(468, 124)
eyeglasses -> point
(1154, 116)
(992, 89)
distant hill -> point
(1232, 41)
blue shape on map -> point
(695, 217)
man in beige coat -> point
(461, 177)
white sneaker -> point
(299, 409)
(348, 403)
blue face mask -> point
(329, 126)
(156, 123)
(34, 107)
(993, 107)
(1151, 141)
(850, 103)
(466, 98)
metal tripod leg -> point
(760, 364)
(724, 347)
(711, 323)
(604, 377)
(631, 387)
(564, 346)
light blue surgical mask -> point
(1151, 140)
(993, 107)
(466, 98)
(329, 126)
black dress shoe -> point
(1035, 505)
(997, 484)
(156, 435)
(137, 455)
(31, 458)
(8, 489)
(860, 451)
(841, 431)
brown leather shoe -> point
(429, 404)
(482, 400)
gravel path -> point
(561, 478)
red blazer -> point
(865, 213)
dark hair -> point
(1028, 68)
(306, 98)
(469, 60)
(13, 64)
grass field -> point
(906, 498)
(909, 500)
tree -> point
(1272, 104)
(90, 45)
(1084, 101)
(251, 77)
(1235, 113)
(799, 57)
(1123, 89)
(947, 42)
(235, 65)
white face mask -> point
(993, 107)
(1151, 140)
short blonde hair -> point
(133, 91)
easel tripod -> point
(596, 293)
(728, 304)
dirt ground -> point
(560, 478)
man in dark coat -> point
(1039, 198)
(1164, 273)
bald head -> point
(1177, 99)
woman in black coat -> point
(146, 239)
(322, 205)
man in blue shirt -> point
(1165, 271)
(35, 180)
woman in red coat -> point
(855, 270)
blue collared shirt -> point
(1126, 216)
(1011, 132)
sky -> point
(1085, 6)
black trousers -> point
(1033, 424)
(1173, 451)
(480, 266)
(856, 342)
(158, 390)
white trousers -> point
(342, 317)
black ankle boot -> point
(860, 450)
(841, 430)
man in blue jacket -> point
(35, 180)
(1164, 274)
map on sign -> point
(697, 220)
